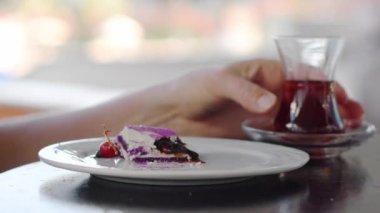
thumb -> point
(249, 95)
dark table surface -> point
(350, 183)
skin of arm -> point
(22, 137)
(206, 103)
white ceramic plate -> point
(225, 160)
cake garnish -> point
(107, 149)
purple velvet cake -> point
(145, 144)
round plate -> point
(319, 146)
(226, 160)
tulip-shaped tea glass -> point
(308, 103)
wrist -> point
(154, 106)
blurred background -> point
(59, 54)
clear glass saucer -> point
(318, 146)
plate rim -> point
(302, 156)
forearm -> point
(23, 137)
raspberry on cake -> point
(145, 144)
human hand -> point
(350, 110)
(215, 103)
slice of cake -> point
(146, 144)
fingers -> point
(266, 73)
(349, 107)
(250, 96)
(269, 75)
(340, 94)
(355, 109)
(351, 111)
(253, 84)
(256, 84)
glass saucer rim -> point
(307, 37)
(367, 129)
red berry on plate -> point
(107, 150)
